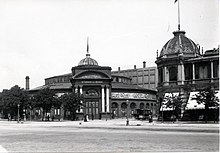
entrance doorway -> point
(92, 109)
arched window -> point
(92, 93)
(123, 106)
(141, 105)
(147, 106)
(173, 74)
(133, 106)
(152, 105)
(114, 105)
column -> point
(81, 92)
(183, 74)
(180, 74)
(149, 78)
(103, 99)
(119, 110)
(76, 89)
(165, 76)
(193, 69)
(107, 99)
(211, 71)
(61, 112)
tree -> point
(72, 102)
(207, 97)
(175, 102)
(11, 98)
(45, 99)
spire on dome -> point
(88, 60)
(87, 49)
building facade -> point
(183, 69)
(106, 95)
(145, 77)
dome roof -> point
(179, 44)
(88, 61)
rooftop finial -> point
(87, 49)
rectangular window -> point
(203, 70)
(215, 69)
(160, 75)
(188, 71)
(146, 80)
(140, 80)
(152, 79)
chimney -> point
(27, 83)
(134, 66)
(118, 68)
(144, 64)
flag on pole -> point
(175, 1)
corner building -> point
(183, 68)
(105, 95)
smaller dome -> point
(179, 44)
(88, 61)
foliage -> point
(72, 102)
(45, 99)
(207, 97)
(11, 98)
(175, 102)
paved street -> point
(108, 136)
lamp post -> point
(162, 112)
(18, 113)
(30, 112)
(127, 121)
(106, 112)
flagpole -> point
(178, 15)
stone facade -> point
(184, 68)
(106, 95)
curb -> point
(152, 129)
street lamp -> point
(127, 121)
(18, 113)
(162, 112)
(106, 112)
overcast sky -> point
(44, 38)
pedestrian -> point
(150, 118)
(9, 117)
(85, 118)
(53, 118)
(48, 118)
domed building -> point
(183, 68)
(88, 61)
(179, 45)
(105, 95)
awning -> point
(164, 106)
(192, 104)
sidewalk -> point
(154, 126)
(120, 124)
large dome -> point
(88, 61)
(179, 44)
